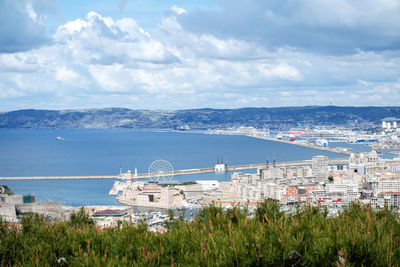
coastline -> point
(330, 149)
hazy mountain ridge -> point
(195, 118)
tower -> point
(320, 168)
(128, 178)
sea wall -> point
(13, 199)
(7, 211)
(40, 207)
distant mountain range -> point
(195, 118)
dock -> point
(59, 177)
(177, 172)
(330, 149)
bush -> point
(216, 237)
(80, 218)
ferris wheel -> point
(161, 171)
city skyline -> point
(196, 54)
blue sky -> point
(194, 54)
(147, 13)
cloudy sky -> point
(165, 54)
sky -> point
(185, 54)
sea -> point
(106, 152)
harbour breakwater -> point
(177, 172)
(330, 149)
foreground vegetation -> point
(359, 236)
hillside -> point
(195, 118)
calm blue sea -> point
(104, 152)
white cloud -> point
(102, 40)
(98, 61)
(17, 63)
(284, 71)
(178, 10)
(7, 93)
(64, 75)
(325, 26)
(22, 24)
(206, 45)
(31, 12)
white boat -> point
(221, 167)
(59, 138)
(321, 142)
(117, 187)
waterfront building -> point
(389, 123)
(327, 134)
(151, 195)
(375, 181)
(208, 185)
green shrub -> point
(216, 237)
(80, 218)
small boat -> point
(59, 138)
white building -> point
(320, 168)
(388, 199)
(347, 188)
(365, 163)
(338, 167)
(388, 185)
(284, 172)
(363, 158)
(208, 185)
(150, 195)
(389, 123)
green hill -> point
(196, 118)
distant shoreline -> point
(329, 149)
(334, 150)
